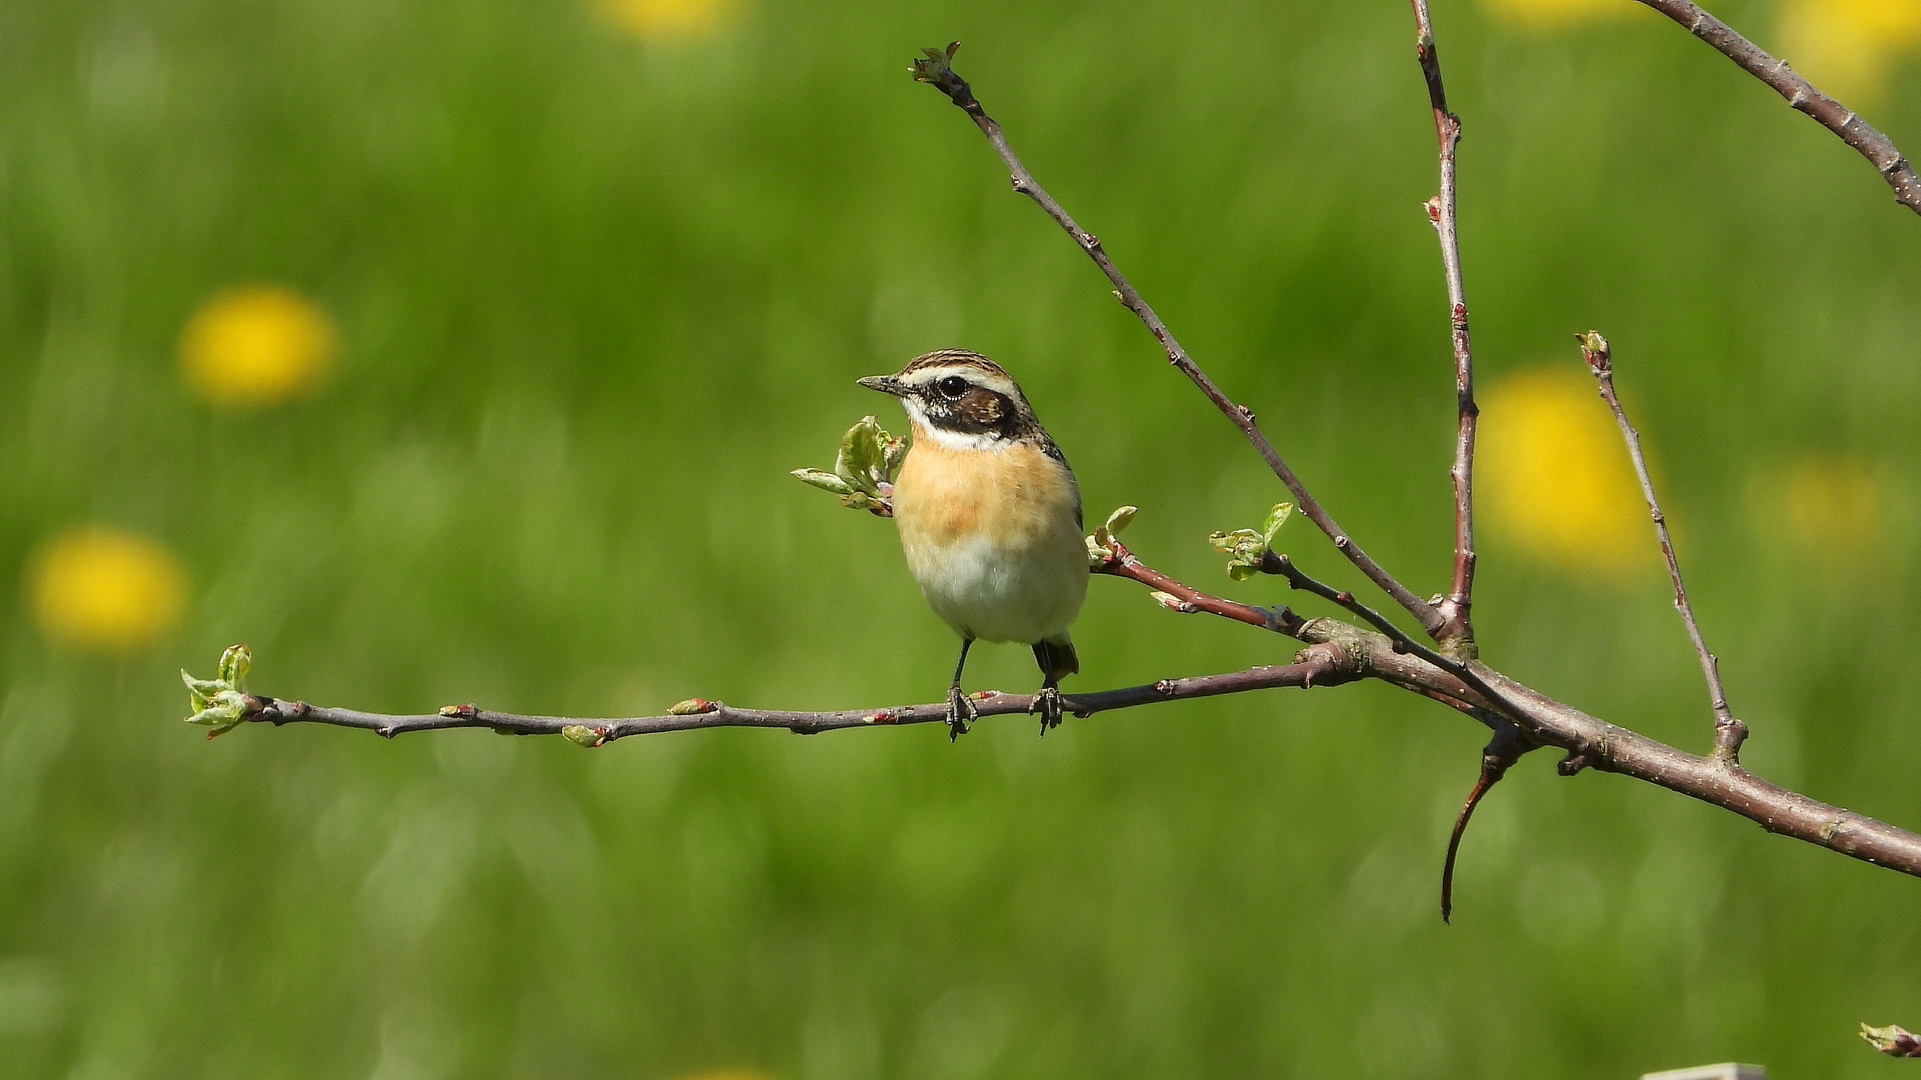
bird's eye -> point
(953, 386)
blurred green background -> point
(600, 277)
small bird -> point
(989, 517)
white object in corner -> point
(1725, 1071)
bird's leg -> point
(1048, 701)
(1048, 704)
(960, 708)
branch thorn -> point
(1501, 752)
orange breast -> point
(1017, 495)
(991, 537)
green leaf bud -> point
(825, 481)
(235, 663)
(584, 735)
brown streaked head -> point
(961, 392)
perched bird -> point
(989, 517)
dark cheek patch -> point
(982, 408)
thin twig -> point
(1728, 732)
(936, 70)
(1318, 666)
(1803, 95)
(1457, 625)
(1123, 563)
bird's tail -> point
(1057, 658)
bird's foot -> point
(961, 712)
(1048, 704)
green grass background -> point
(597, 296)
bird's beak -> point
(886, 384)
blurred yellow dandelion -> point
(1828, 505)
(1848, 47)
(256, 345)
(654, 19)
(1542, 14)
(1554, 476)
(105, 589)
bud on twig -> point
(935, 67)
(1173, 603)
(1893, 1040)
(1100, 546)
(864, 469)
(1247, 548)
(221, 704)
(1595, 349)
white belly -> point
(996, 593)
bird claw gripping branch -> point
(961, 712)
(1048, 704)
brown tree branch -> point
(1729, 732)
(1802, 95)
(1316, 666)
(1593, 743)
(1457, 625)
(1589, 741)
(1123, 563)
(1339, 652)
(936, 70)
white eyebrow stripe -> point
(997, 383)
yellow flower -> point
(1825, 505)
(103, 589)
(1848, 47)
(1542, 14)
(256, 345)
(654, 19)
(1554, 477)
